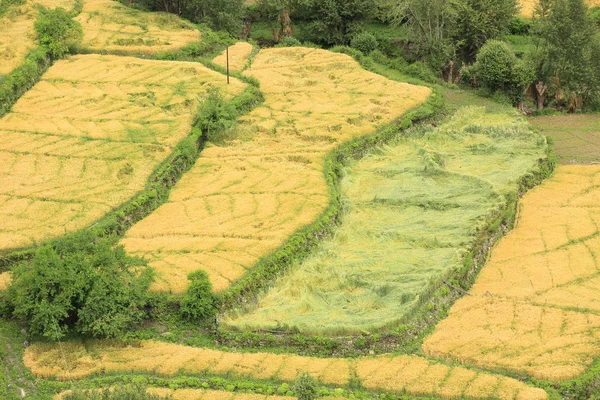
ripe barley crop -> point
(534, 306)
(239, 55)
(109, 26)
(198, 394)
(242, 200)
(399, 374)
(86, 138)
(528, 6)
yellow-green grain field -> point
(243, 199)
(412, 211)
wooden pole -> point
(227, 51)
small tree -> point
(198, 303)
(494, 65)
(365, 42)
(57, 31)
(306, 387)
(80, 287)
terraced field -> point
(198, 394)
(414, 209)
(576, 137)
(243, 200)
(534, 308)
(401, 374)
(86, 138)
(17, 36)
(109, 26)
(239, 56)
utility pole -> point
(227, 56)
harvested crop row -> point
(239, 56)
(199, 394)
(535, 306)
(414, 209)
(17, 36)
(109, 26)
(411, 374)
(87, 137)
(243, 200)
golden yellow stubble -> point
(239, 56)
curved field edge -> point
(539, 292)
(157, 187)
(391, 374)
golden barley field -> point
(239, 56)
(394, 374)
(534, 307)
(527, 6)
(86, 138)
(243, 200)
(111, 27)
(199, 394)
(17, 36)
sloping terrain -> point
(87, 137)
(109, 26)
(414, 209)
(239, 56)
(534, 308)
(243, 200)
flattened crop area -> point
(113, 27)
(242, 201)
(414, 209)
(401, 374)
(239, 55)
(199, 394)
(576, 137)
(86, 138)
(535, 307)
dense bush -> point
(306, 387)
(58, 32)
(129, 392)
(216, 117)
(519, 26)
(364, 42)
(80, 286)
(289, 41)
(198, 303)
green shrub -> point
(129, 392)
(289, 41)
(58, 32)
(216, 116)
(365, 42)
(306, 387)
(198, 303)
(80, 286)
(494, 64)
(519, 26)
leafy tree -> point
(564, 51)
(334, 21)
(365, 42)
(80, 286)
(57, 31)
(282, 11)
(198, 303)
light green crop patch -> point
(413, 210)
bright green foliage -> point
(365, 42)
(306, 387)
(216, 117)
(497, 68)
(80, 286)
(198, 303)
(413, 211)
(129, 392)
(58, 32)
